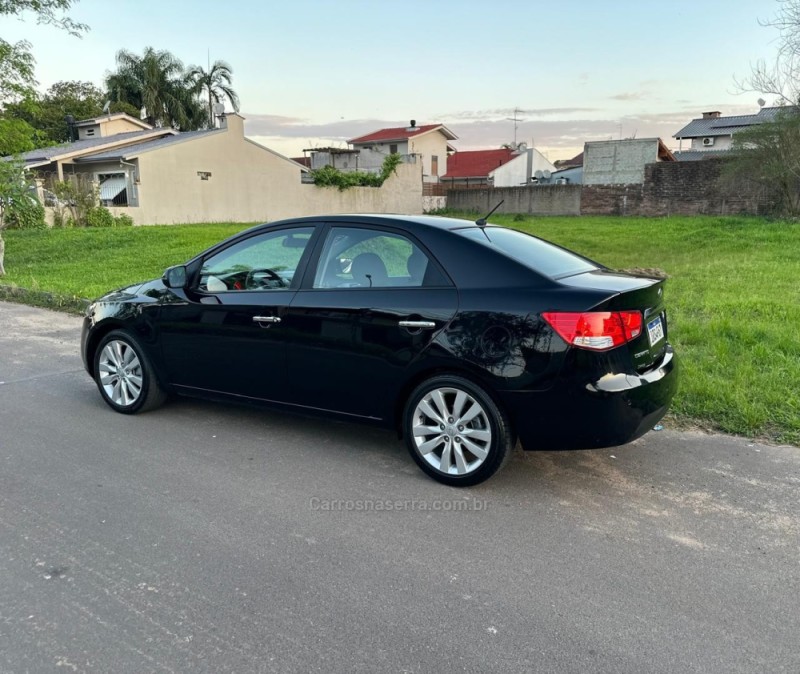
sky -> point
(313, 73)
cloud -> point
(295, 127)
(498, 114)
(629, 96)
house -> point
(344, 159)
(160, 176)
(95, 135)
(429, 142)
(621, 162)
(714, 133)
(503, 167)
(107, 125)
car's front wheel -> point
(455, 432)
(124, 375)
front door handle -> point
(417, 325)
(266, 319)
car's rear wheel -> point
(455, 432)
(124, 375)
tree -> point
(17, 136)
(216, 84)
(47, 114)
(781, 76)
(767, 156)
(16, 61)
(155, 82)
(13, 188)
(16, 70)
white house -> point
(714, 133)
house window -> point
(393, 148)
(113, 189)
(434, 165)
(90, 132)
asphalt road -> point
(214, 538)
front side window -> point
(264, 262)
(367, 258)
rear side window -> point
(534, 253)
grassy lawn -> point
(733, 296)
(88, 262)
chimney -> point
(711, 115)
(70, 120)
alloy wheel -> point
(120, 373)
(451, 431)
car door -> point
(368, 314)
(224, 334)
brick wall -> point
(675, 188)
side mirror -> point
(175, 277)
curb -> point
(40, 298)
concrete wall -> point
(433, 204)
(373, 159)
(250, 183)
(618, 162)
(533, 200)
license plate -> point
(655, 331)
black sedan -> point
(463, 336)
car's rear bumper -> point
(613, 410)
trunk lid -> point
(632, 293)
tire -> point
(129, 389)
(466, 444)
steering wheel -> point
(263, 278)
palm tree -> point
(156, 82)
(215, 83)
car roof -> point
(416, 221)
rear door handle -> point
(417, 325)
(266, 319)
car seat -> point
(368, 270)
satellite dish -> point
(546, 174)
(219, 108)
(107, 108)
(538, 175)
(761, 102)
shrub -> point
(328, 176)
(99, 216)
(123, 220)
(25, 213)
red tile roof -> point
(401, 133)
(476, 163)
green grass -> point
(87, 262)
(733, 296)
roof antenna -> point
(481, 222)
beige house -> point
(429, 143)
(160, 176)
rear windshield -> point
(534, 253)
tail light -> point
(596, 330)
